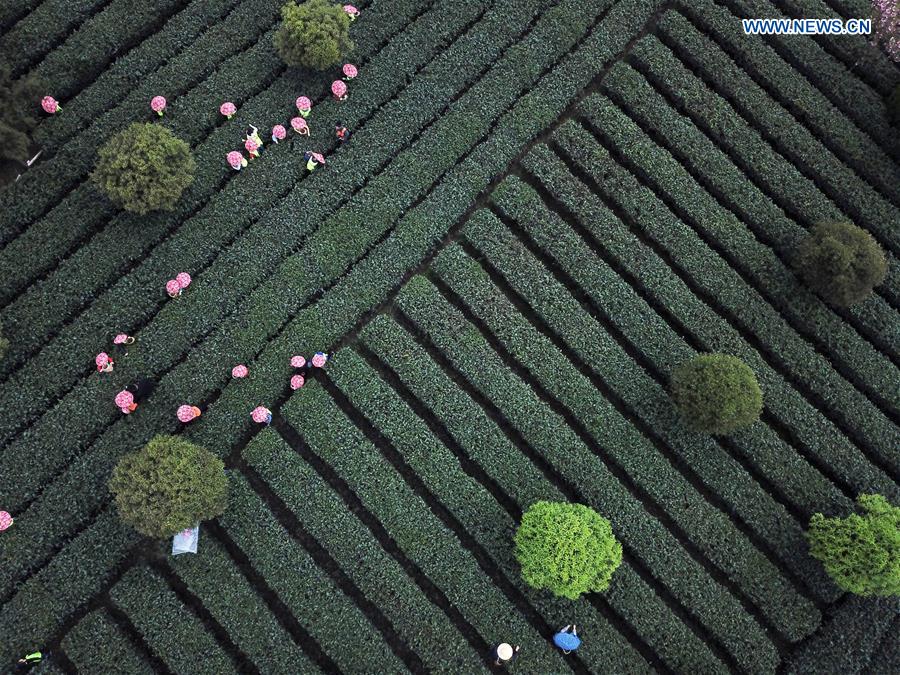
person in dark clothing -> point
(505, 653)
(121, 343)
(342, 132)
(141, 389)
(318, 360)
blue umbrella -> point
(567, 641)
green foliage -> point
(4, 343)
(841, 262)
(861, 553)
(717, 393)
(315, 34)
(569, 549)
(19, 103)
(144, 168)
(169, 485)
(893, 106)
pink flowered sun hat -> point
(102, 360)
(183, 279)
(158, 104)
(279, 132)
(228, 109)
(124, 398)
(351, 10)
(319, 359)
(303, 103)
(5, 520)
(297, 382)
(260, 414)
(186, 413)
(50, 105)
(338, 88)
(298, 361)
(240, 371)
(318, 157)
(234, 159)
(298, 124)
(350, 70)
(251, 145)
(173, 288)
(120, 339)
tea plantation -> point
(544, 207)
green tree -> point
(569, 549)
(169, 485)
(19, 104)
(315, 34)
(144, 168)
(717, 393)
(841, 262)
(861, 553)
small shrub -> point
(169, 485)
(717, 393)
(893, 106)
(861, 553)
(841, 262)
(315, 34)
(144, 168)
(19, 104)
(569, 549)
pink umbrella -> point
(319, 158)
(158, 104)
(228, 109)
(124, 398)
(278, 133)
(339, 89)
(298, 361)
(5, 520)
(173, 288)
(235, 159)
(240, 371)
(50, 105)
(186, 413)
(183, 279)
(303, 104)
(350, 71)
(319, 359)
(296, 382)
(260, 414)
(299, 124)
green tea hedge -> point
(633, 598)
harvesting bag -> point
(186, 540)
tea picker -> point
(505, 653)
(567, 640)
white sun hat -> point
(504, 651)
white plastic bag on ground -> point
(186, 540)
